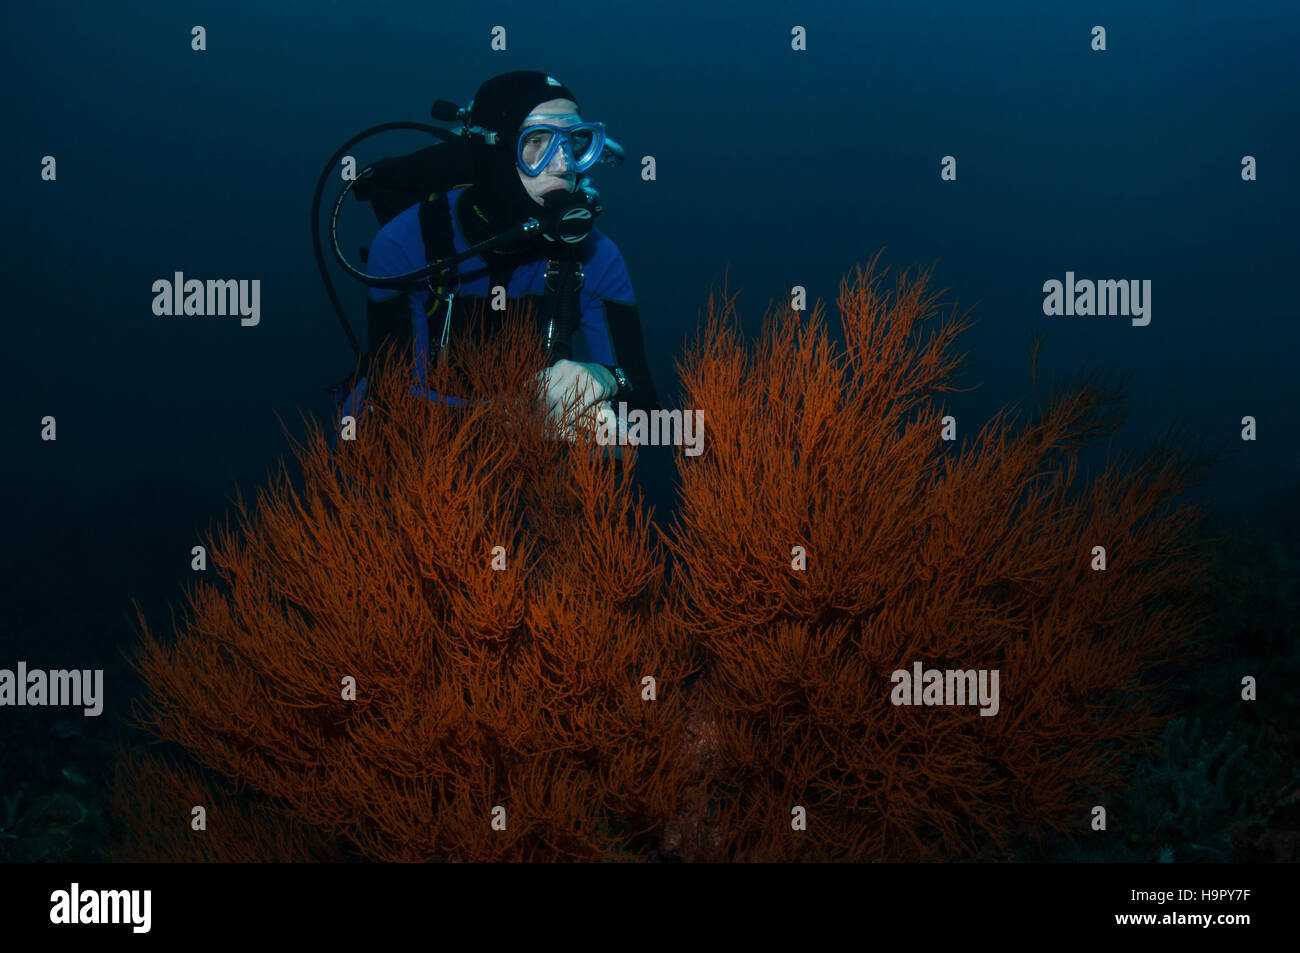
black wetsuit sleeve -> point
(388, 322)
(628, 346)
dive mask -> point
(582, 143)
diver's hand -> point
(611, 433)
(574, 384)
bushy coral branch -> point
(492, 591)
(978, 558)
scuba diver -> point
(523, 221)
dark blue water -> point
(776, 168)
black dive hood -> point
(394, 184)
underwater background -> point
(775, 168)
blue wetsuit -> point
(608, 320)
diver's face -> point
(557, 175)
